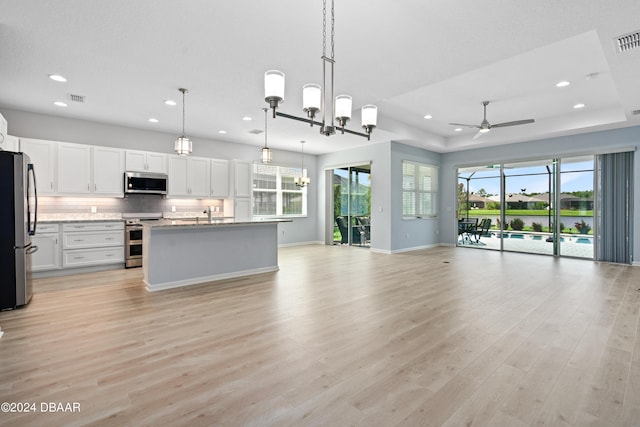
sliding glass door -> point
(542, 207)
(352, 205)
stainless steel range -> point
(133, 236)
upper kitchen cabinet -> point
(143, 161)
(3, 133)
(74, 168)
(219, 178)
(83, 169)
(43, 156)
(108, 171)
(242, 181)
(10, 143)
(188, 177)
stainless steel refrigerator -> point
(18, 219)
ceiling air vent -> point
(77, 98)
(256, 131)
(629, 41)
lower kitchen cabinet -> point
(89, 257)
(47, 239)
(92, 243)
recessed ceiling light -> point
(170, 102)
(457, 130)
(222, 131)
(578, 106)
(247, 118)
(57, 77)
(60, 103)
(153, 120)
(563, 83)
(428, 116)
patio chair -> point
(365, 227)
(482, 229)
(356, 232)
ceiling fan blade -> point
(465, 125)
(514, 123)
(478, 134)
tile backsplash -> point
(134, 203)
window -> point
(419, 189)
(275, 194)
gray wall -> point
(389, 232)
(588, 143)
(410, 233)
(41, 126)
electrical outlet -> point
(173, 208)
(94, 209)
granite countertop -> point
(79, 217)
(198, 222)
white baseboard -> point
(205, 279)
(77, 270)
(636, 263)
(398, 251)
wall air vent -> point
(635, 112)
(256, 131)
(77, 98)
(629, 41)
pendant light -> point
(183, 146)
(302, 180)
(318, 100)
(265, 154)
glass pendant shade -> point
(369, 116)
(183, 146)
(311, 97)
(343, 107)
(265, 155)
(273, 87)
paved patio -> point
(579, 246)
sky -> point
(574, 176)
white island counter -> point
(187, 252)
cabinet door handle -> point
(52, 185)
(95, 187)
(88, 187)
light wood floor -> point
(339, 336)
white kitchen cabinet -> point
(47, 239)
(74, 168)
(219, 178)
(108, 171)
(10, 143)
(242, 178)
(87, 244)
(144, 161)
(242, 209)
(4, 130)
(43, 156)
(188, 177)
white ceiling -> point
(409, 57)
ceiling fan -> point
(485, 126)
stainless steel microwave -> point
(145, 183)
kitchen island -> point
(188, 252)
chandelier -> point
(265, 153)
(302, 180)
(183, 145)
(314, 96)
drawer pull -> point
(78, 240)
(78, 257)
(109, 238)
(108, 255)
